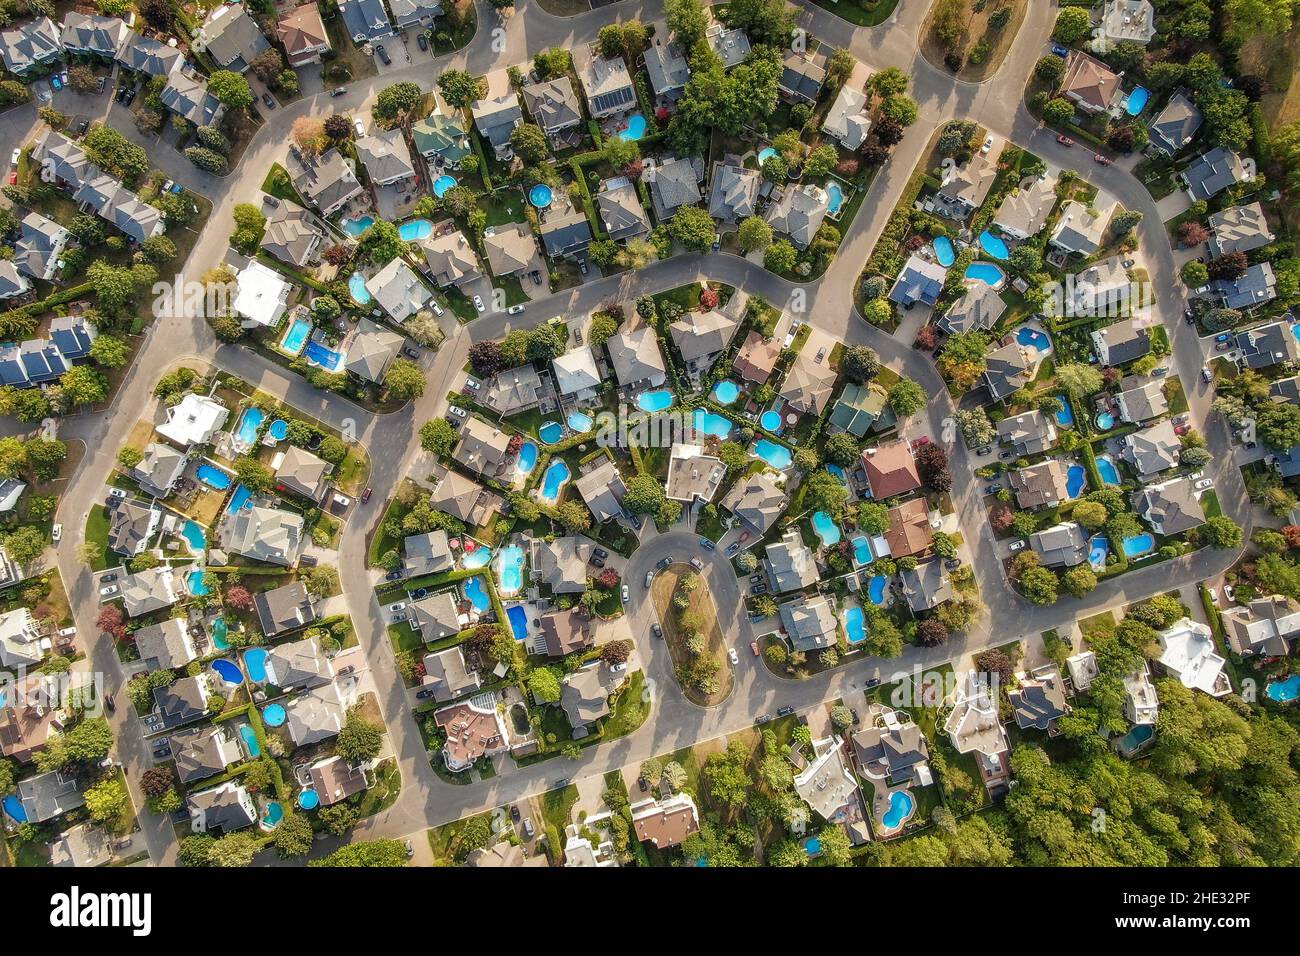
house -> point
(848, 120)
(181, 702)
(1121, 342)
(665, 64)
(372, 350)
(790, 564)
(553, 105)
(93, 35)
(12, 282)
(1040, 486)
(972, 724)
(1024, 211)
(1258, 286)
(40, 246)
(186, 94)
(150, 590)
(891, 469)
(757, 501)
(426, 554)
(450, 259)
(1188, 655)
(442, 138)
(1083, 670)
(665, 823)
(414, 13)
(1089, 84)
(621, 212)
(1038, 702)
(1152, 449)
(284, 609)
(909, 529)
(227, 808)
(1141, 705)
(292, 234)
(798, 213)
(334, 780)
(892, 748)
(482, 446)
(148, 55)
(1176, 125)
(1239, 229)
(195, 420)
(511, 249)
(31, 45)
(462, 498)
(859, 408)
(48, 795)
(927, 585)
(636, 359)
(692, 475)
(446, 675)
(298, 665)
(32, 709)
(1063, 545)
(1267, 626)
(131, 525)
(166, 646)
(809, 623)
(802, 76)
(232, 38)
(920, 280)
(1124, 21)
(828, 786)
(34, 362)
(73, 335)
(84, 845)
(504, 854)
(1141, 403)
(398, 290)
(565, 231)
(1029, 433)
(385, 155)
(584, 696)
(757, 357)
(434, 617)
(327, 181)
(603, 490)
(731, 46)
(608, 87)
(495, 118)
(1104, 289)
(512, 390)
(113, 202)
(303, 35)
(204, 752)
(20, 639)
(303, 474)
(1170, 507)
(673, 184)
(809, 382)
(160, 467)
(576, 374)
(261, 295)
(264, 534)
(1214, 171)
(365, 20)
(560, 564)
(1079, 230)
(317, 715)
(475, 730)
(964, 187)
(978, 309)
(733, 193)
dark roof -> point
(284, 609)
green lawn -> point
(630, 710)
(97, 536)
(278, 184)
(557, 807)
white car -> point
(437, 309)
(1017, 545)
(626, 593)
(478, 303)
(108, 591)
(514, 310)
(116, 493)
(360, 128)
(56, 533)
(733, 656)
(458, 411)
(399, 606)
(1200, 485)
(13, 160)
(988, 144)
(472, 383)
(1228, 592)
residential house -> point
(909, 531)
(892, 748)
(665, 64)
(1214, 171)
(284, 609)
(1083, 670)
(1267, 626)
(48, 795)
(327, 181)
(576, 374)
(150, 590)
(965, 187)
(298, 665)
(450, 260)
(1152, 449)
(1029, 433)
(790, 564)
(920, 280)
(972, 724)
(757, 357)
(131, 525)
(318, 714)
(40, 246)
(482, 446)
(195, 420)
(1141, 705)
(848, 120)
(30, 45)
(603, 490)
(802, 76)
(1024, 211)
(512, 390)
(1188, 654)
(398, 290)
(584, 696)
(1063, 545)
(798, 212)
(303, 35)
(118, 205)
(891, 469)
(414, 13)
(1170, 507)
(462, 498)
(231, 37)
(560, 564)
(434, 617)
(927, 585)
(859, 408)
(757, 501)
(12, 282)
(166, 646)
(148, 55)
(733, 193)
(428, 553)
(553, 106)
(665, 823)
(1124, 21)
(809, 623)
(292, 234)
(303, 474)
(636, 359)
(226, 807)
(504, 854)
(73, 335)
(386, 156)
(562, 633)
(334, 780)
(186, 95)
(731, 46)
(674, 183)
(978, 309)
(261, 296)
(181, 702)
(160, 467)
(442, 139)
(34, 362)
(372, 350)
(1079, 230)
(495, 118)
(475, 730)
(692, 475)
(511, 250)
(565, 230)
(20, 639)
(1239, 229)
(204, 752)
(1040, 486)
(1141, 403)
(1038, 701)
(1104, 289)
(447, 676)
(263, 534)
(32, 710)
(621, 212)
(1121, 342)
(808, 384)
(93, 35)
(1258, 286)
(365, 20)
(829, 787)
(1089, 84)
(84, 846)
(1176, 125)
(608, 87)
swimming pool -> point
(255, 664)
(579, 421)
(634, 129)
(527, 459)
(278, 429)
(414, 230)
(876, 589)
(943, 251)
(1098, 548)
(273, 715)
(1105, 420)
(901, 807)
(442, 184)
(826, 528)
(510, 569)
(323, 356)
(994, 246)
(862, 550)
(1138, 545)
(240, 498)
(553, 482)
(1106, 468)
(551, 432)
(357, 289)
(194, 536)
(274, 814)
(1033, 338)
(476, 592)
(250, 741)
(308, 799)
(1065, 417)
(855, 625)
(475, 557)
(228, 671)
(218, 632)
(540, 196)
(812, 846)
(838, 472)
(249, 423)
(195, 584)
(1137, 101)
(517, 615)
(778, 456)
(1076, 479)
(709, 423)
(655, 401)
(355, 227)
(1283, 691)
(726, 392)
(296, 337)
(771, 420)
(987, 273)
(766, 153)
(14, 807)
(836, 196)
(213, 477)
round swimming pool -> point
(767, 153)
(279, 429)
(726, 392)
(308, 799)
(1105, 420)
(771, 420)
(273, 715)
(442, 184)
(540, 196)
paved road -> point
(394, 446)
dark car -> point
(365, 496)
(664, 563)
(82, 127)
(424, 694)
(785, 711)
(383, 54)
(874, 682)
(393, 576)
(758, 589)
(600, 553)
(582, 266)
(514, 812)
(338, 91)
(412, 352)
(537, 277)
(422, 41)
(1006, 454)
(269, 100)
(763, 718)
(130, 95)
(1060, 49)
(108, 703)
(308, 559)
(597, 562)
(706, 544)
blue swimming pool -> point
(308, 799)
(442, 184)
(240, 498)
(766, 153)
(476, 592)
(213, 477)
(655, 401)
(944, 252)
(296, 337)
(726, 392)
(835, 197)
(838, 472)
(355, 227)
(901, 806)
(510, 569)
(273, 715)
(323, 356)
(1098, 549)
(1138, 545)
(357, 289)
(14, 807)
(553, 482)
(1137, 101)
(195, 584)
(1076, 479)
(218, 633)
(1033, 338)
(987, 273)
(826, 528)
(771, 420)
(475, 557)
(1106, 468)
(709, 423)
(634, 129)
(250, 740)
(1283, 691)
(1065, 417)
(278, 429)
(414, 230)
(249, 423)
(551, 432)
(517, 615)
(1105, 420)
(812, 846)
(876, 590)
(855, 625)
(255, 664)
(540, 196)
(778, 456)
(579, 421)
(994, 246)
(228, 671)
(274, 814)
(527, 460)
(194, 536)
(862, 550)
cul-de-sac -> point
(605, 433)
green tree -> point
(529, 143)
(231, 89)
(1078, 379)
(1079, 581)
(404, 380)
(693, 228)
(1073, 25)
(1221, 531)
(754, 234)
(460, 88)
(293, 836)
(544, 685)
(780, 256)
(437, 436)
(359, 740)
(906, 398)
(687, 20)
(1059, 111)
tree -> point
(842, 449)
(1059, 111)
(250, 225)
(1229, 266)
(1090, 514)
(308, 134)
(616, 652)
(931, 632)
(687, 20)
(975, 426)
(780, 256)
(754, 234)
(824, 492)
(1194, 274)
(233, 850)
(1073, 25)
(900, 109)
(82, 385)
(906, 398)
(1050, 69)
(114, 153)
(1193, 233)
(1250, 18)
(206, 159)
(460, 88)
(231, 89)
(859, 363)
(530, 143)
(437, 436)
(727, 775)
(1079, 581)
(573, 515)
(1077, 379)
(372, 853)
(107, 801)
(1038, 584)
(553, 63)
(693, 228)
(359, 740)
(404, 380)
(1221, 532)
(544, 685)
(293, 837)
(1278, 426)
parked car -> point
(393, 575)
(1204, 483)
(706, 544)
(116, 493)
(478, 303)
(1189, 316)
(1017, 545)
(399, 606)
(410, 850)
(528, 827)
(753, 646)
(663, 564)
(472, 383)
(422, 41)
(626, 593)
(649, 577)
(110, 576)
(338, 91)
(597, 562)
(988, 144)
(458, 411)
(763, 719)
(268, 100)
(657, 630)
(1004, 456)
(383, 54)
(1182, 429)
(1228, 593)
(17, 154)
(600, 553)
(758, 589)
(437, 309)
(1206, 374)
(1060, 49)
(514, 310)
(697, 564)
(411, 352)
(986, 450)
(365, 495)
(514, 812)
(582, 266)
(1065, 140)
(1222, 346)
(733, 656)
(537, 276)
(56, 533)
(1102, 160)
(108, 591)
(733, 548)
(360, 127)
(108, 704)
(756, 579)
(992, 489)
(425, 694)
(785, 711)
